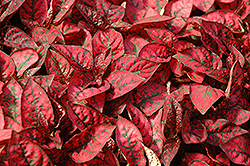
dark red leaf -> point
(23, 59)
(97, 101)
(121, 83)
(7, 66)
(197, 159)
(237, 149)
(108, 39)
(155, 53)
(115, 107)
(129, 140)
(61, 9)
(21, 151)
(175, 25)
(149, 97)
(14, 37)
(32, 13)
(83, 116)
(79, 57)
(221, 75)
(87, 144)
(141, 122)
(162, 74)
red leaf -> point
(141, 67)
(150, 97)
(115, 107)
(32, 13)
(237, 56)
(23, 59)
(237, 149)
(121, 83)
(36, 106)
(221, 75)
(7, 66)
(198, 159)
(170, 149)
(135, 10)
(162, 74)
(79, 57)
(204, 5)
(101, 62)
(14, 37)
(83, 116)
(11, 104)
(161, 36)
(21, 151)
(5, 134)
(42, 36)
(179, 8)
(155, 53)
(203, 97)
(156, 5)
(133, 44)
(129, 139)
(2, 123)
(87, 144)
(221, 131)
(193, 131)
(175, 25)
(158, 134)
(199, 59)
(13, 6)
(108, 39)
(97, 101)
(61, 9)
(141, 122)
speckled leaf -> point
(203, 5)
(36, 106)
(33, 13)
(22, 151)
(121, 83)
(162, 74)
(97, 101)
(14, 37)
(161, 36)
(221, 75)
(237, 56)
(203, 97)
(133, 44)
(158, 134)
(141, 67)
(199, 59)
(155, 4)
(87, 144)
(44, 81)
(193, 159)
(7, 66)
(129, 139)
(23, 59)
(61, 9)
(179, 8)
(13, 7)
(170, 149)
(193, 131)
(141, 122)
(221, 131)
(226, 17)
(11, 105)
(116, 107)
(237, 149)
(58, 65)
(108, 39)
(83, 116)
(56, 31)
(78, 57)
(135, 10)
(153, 160)
(42, 36)
(155, 52)
(175, 25)
(150, 97)
(101, 63)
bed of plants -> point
(124, 82)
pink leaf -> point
(179, 8)
(7, 66)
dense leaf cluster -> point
(117, 82)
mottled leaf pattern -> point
(7, 66)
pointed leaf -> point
(61, 8)
(121, 83)
(141, 122)
(204, 5)
(129, 139)
(42, 36)
(150, 97)
(221, 75)
(89, 142)
(23, 59)
(33, 13)
(83, 116)
(153, 160)
(155, 52)
(133, 44)
(14, 37)
(203, 97)
(36, 106)
(237, 149)
(13, 6)
(199, 59)
(197, 158)
(179, 8)
(21, 151)
(7, 66)
(79, 57)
